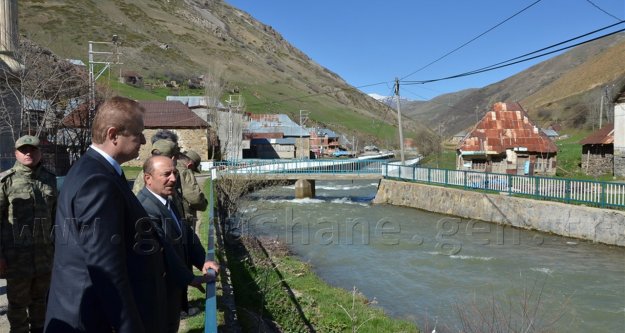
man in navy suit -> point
(108, 273)
(186, 250)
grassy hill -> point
(564, 89)
(187, 38)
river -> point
(435, 269)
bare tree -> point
(43, 90)
(214, 87)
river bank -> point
(277, 292)
(425, 267)
(588, 223)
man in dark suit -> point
(186, 250)
(108, 273)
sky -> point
(369, 43)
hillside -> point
(186, 38)
(564, 89)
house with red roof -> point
(505, 140)
(598, 151)
(192, 130)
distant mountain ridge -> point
(186, 38)
(192, 37)
(564, 89)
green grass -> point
(131, 172)
(196, 298)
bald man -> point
(183, 247)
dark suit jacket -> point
(182, 249)
(108, 270)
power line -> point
(471, 40)
(601, 9)
(510, 62)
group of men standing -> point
(105, 259)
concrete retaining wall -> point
(598, 225)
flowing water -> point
(435, 269)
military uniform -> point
(193, 199)
(27, 209)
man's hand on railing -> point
(210, 265)
(199, 280)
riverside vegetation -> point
(274, 291)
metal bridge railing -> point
(596, 193)
(339, 166)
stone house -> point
(172, 115)
(505, 140)
(598, 151)
(131, 78)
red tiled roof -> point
(604, 136)
(77, 118)
(506, 126)
(170, 114)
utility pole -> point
(601, 112)
(401, 133)
(106, 58)
(303, 116)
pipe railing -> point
(597, 193)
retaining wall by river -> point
(599, 225)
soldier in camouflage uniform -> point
(193, 199)
(27, 209)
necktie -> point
(174, 215)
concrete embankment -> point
(599, 225)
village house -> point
(275, 136)
(131, 78)
(598, 151)
(177, 117)
(506, 141)
(323, 141)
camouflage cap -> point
(165, 148)
(195, 157)
(27, 140)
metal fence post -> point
(210, 310)
(567, 190)
(509, 185)
(603, 194)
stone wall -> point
(596, 164)
(194, 139)
(598, 225)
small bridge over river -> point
(305, 172)
(335, 169)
